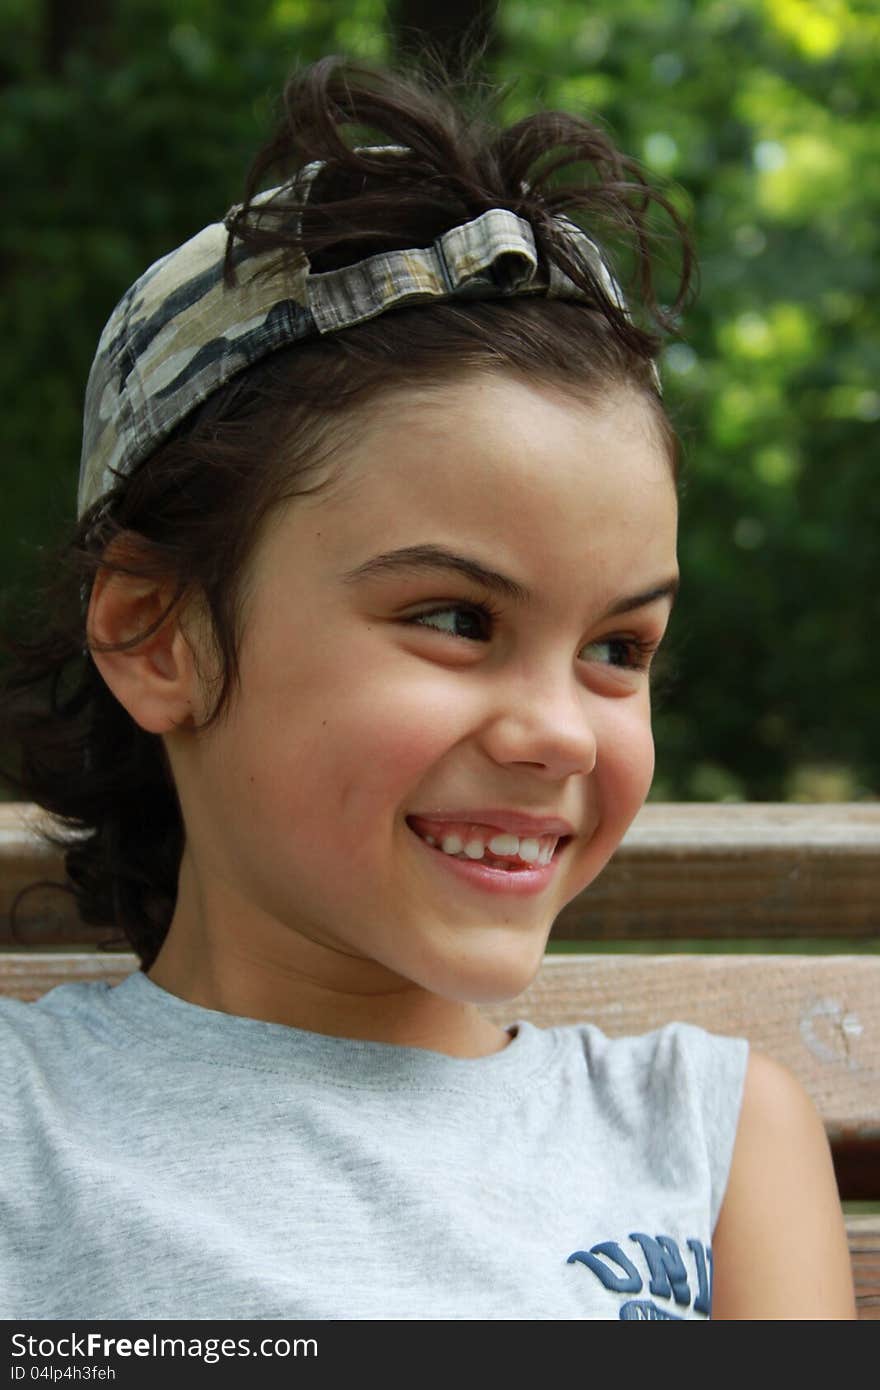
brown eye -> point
(473, 611)
(628, 652)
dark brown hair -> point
(194, 510)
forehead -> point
(515, 470)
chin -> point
(497, 977)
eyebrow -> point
(420, 559)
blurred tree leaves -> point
(765, 113)
(122, 136)
(137, 142)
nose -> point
(549, 722)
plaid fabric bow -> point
(180, 333)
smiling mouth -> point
(510, 864)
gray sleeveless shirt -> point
(163, 1160)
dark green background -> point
(127, 126)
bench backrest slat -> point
(819, 1015)
(683, 870)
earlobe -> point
(155, 680)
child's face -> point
(353, 717)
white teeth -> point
(504, 844)
(530, 851)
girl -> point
(376, 543)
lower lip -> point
(506, 881)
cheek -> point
(629, 755)
(351, 753)
(381, 745)
(624, 769)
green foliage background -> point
(763, 112)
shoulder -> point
(21, 1027)
(680, 1082)
(779, 1246)
(676, 1047)
(57, 1023)
(678, 1068)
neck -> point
(401, 1013)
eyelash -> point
(640, 652)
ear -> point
(156, 680)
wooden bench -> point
(788, 875)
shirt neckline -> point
(176, 1025)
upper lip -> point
(514, 822)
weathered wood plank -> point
(684, 870)
(769, 870)
(863, 1233)
(44, 915)
(29, 974)
(819, 1015)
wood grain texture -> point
(36, 905)
(863, 1233)
(684, 870)
(769, 870)
(819, 1015)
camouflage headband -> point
(179, 333)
